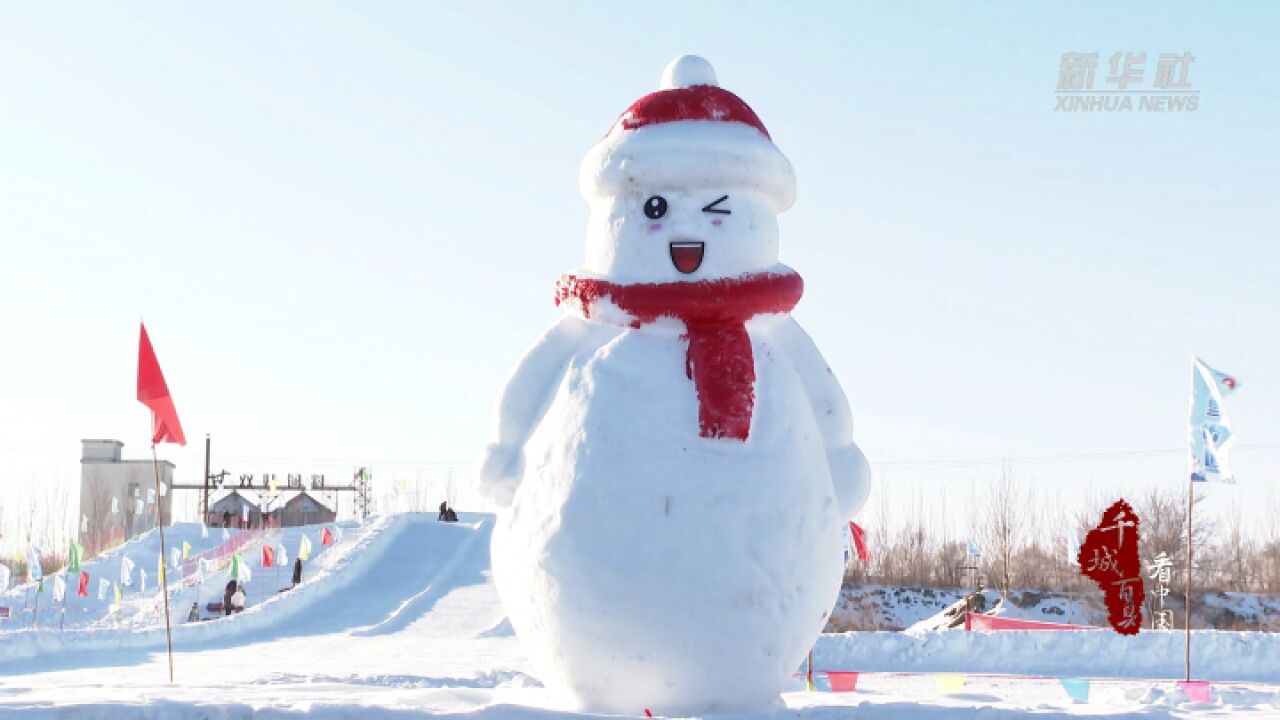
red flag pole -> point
(164, 561)
(165, 427)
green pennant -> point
(73, 557)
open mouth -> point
(687, 256)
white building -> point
(118, 497)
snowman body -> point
(647, 556)
(645, 566)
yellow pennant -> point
(949, 683)
(186, 549)
(117, 587)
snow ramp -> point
(378, 580)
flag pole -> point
(808, 673)
(164, 577)
(1190, 491)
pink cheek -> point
(717, 222)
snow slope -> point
(388, 555)
(400, 620)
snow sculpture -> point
(674, 459)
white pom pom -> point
(687, 71)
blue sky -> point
(342, 223)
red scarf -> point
(715, 312)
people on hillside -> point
(237, 599)
(446, 513)
(297, 571)
(226, 597)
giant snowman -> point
(673, 459)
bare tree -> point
(1003, 526)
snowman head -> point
(686, 185)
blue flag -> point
(1209, 431)
(974, 550)
(1077, 688)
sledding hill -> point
(373, 579)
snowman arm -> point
(850, 473)
(521, 405)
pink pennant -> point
(1197, 691)
(843, 681)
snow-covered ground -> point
(399, 619)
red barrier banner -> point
(191, 565)
(988, 623)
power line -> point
(1048, 459)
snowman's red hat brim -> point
(689, 153)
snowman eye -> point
(655, 207)
(711, 206)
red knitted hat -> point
(690, 133)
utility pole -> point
(968, 599)
(204, 517)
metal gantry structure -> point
(361, 485)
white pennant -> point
(126, 571)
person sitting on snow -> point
(237, 599)
(226, 597)
(193, 615)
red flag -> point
(268, 556)
(154, 393)
(83, 591)
(326, 537)
(860, 541)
